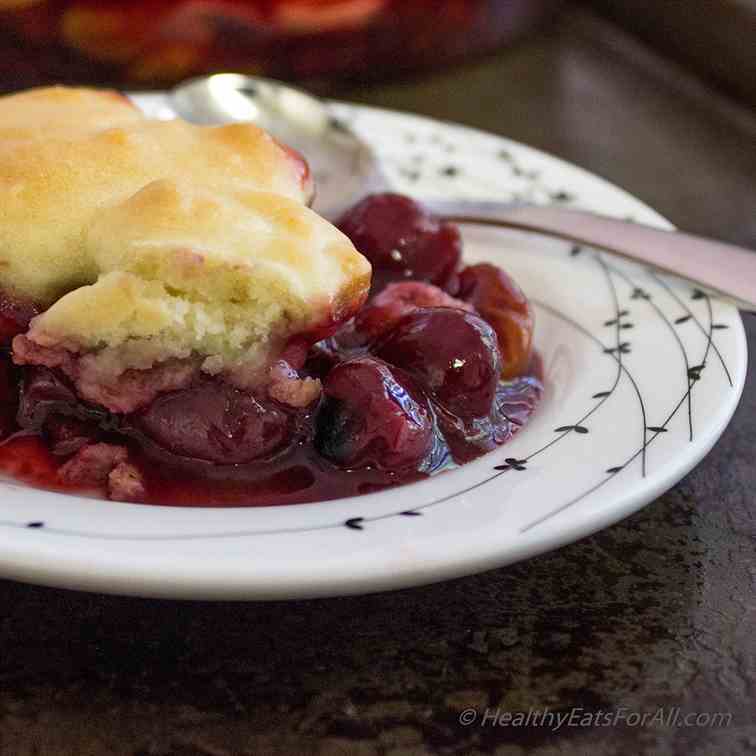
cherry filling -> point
(403, 241)
(451, 353)
(374, 415)
(215, 422)
(437, 366)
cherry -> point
(500, 301)
(402, 240)
(217, 423)
(452, 354)
(373, 416)
(386, 309)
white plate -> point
(632, 409)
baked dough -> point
(147, 241)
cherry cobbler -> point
(178, 327)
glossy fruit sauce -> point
(436, 369)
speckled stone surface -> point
(658, 611)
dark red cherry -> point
(402, 240)
(373, 416)
(216, 423)
(452, 354)
(500, 301)
(386, 309)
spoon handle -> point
(724, 268)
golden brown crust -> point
(97, 152)
(195, 238)
(57, 110)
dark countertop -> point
(656, 611)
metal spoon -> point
(346, 168)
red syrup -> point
(301, 475)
